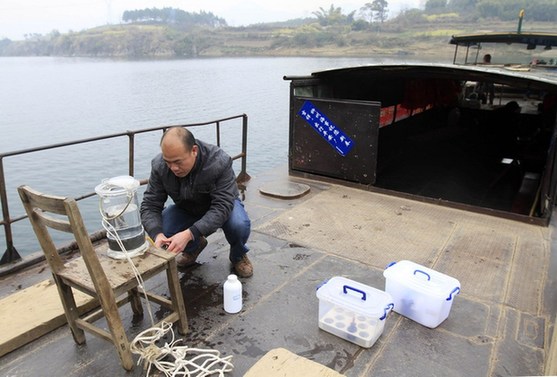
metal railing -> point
(11, 254)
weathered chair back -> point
(60, 213)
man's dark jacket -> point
(207, 192)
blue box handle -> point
(423, 272)
(390, 264)
(347, 287)
(454, 291)
(321, 284)
(387, 309)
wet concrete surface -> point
(280, 310)
(481, 336)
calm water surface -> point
(50, 100)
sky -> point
(21, 17)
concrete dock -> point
(499, 325)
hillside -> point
(425, 40)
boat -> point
(386, 163)
(427, 131)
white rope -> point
(202, 362)
(112, 231)
(171, 359)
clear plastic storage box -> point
(420, 293)
(353, 311)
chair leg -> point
(117, 331)
(135, 301)
(176, 296)
(70, 309)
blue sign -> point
(327, 129)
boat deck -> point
(500, 324)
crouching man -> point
(201, 182)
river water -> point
(49, 100)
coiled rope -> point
(171, 358)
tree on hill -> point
(333, 16)
(380, 9)
(173, 16)
(375, 11)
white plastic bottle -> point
(232, 294)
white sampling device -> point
(119, 209)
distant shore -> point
(423, 42)
(441, 52)
(415, 52)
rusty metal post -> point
(455, 54)
(131, 153)
(11, 254)
(244, 176)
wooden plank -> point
(551, 358)
(280, 362)
(32, 312)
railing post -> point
(218, 133)
(11, 254)
(244, 176)
(131, 153)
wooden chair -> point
(110, 281)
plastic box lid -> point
(355, 296)
(422, 279)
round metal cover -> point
(284, 190)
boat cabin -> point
(464, 136)
(536, 52)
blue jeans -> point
(236, 229)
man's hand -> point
(177, 243)
(161, 241)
